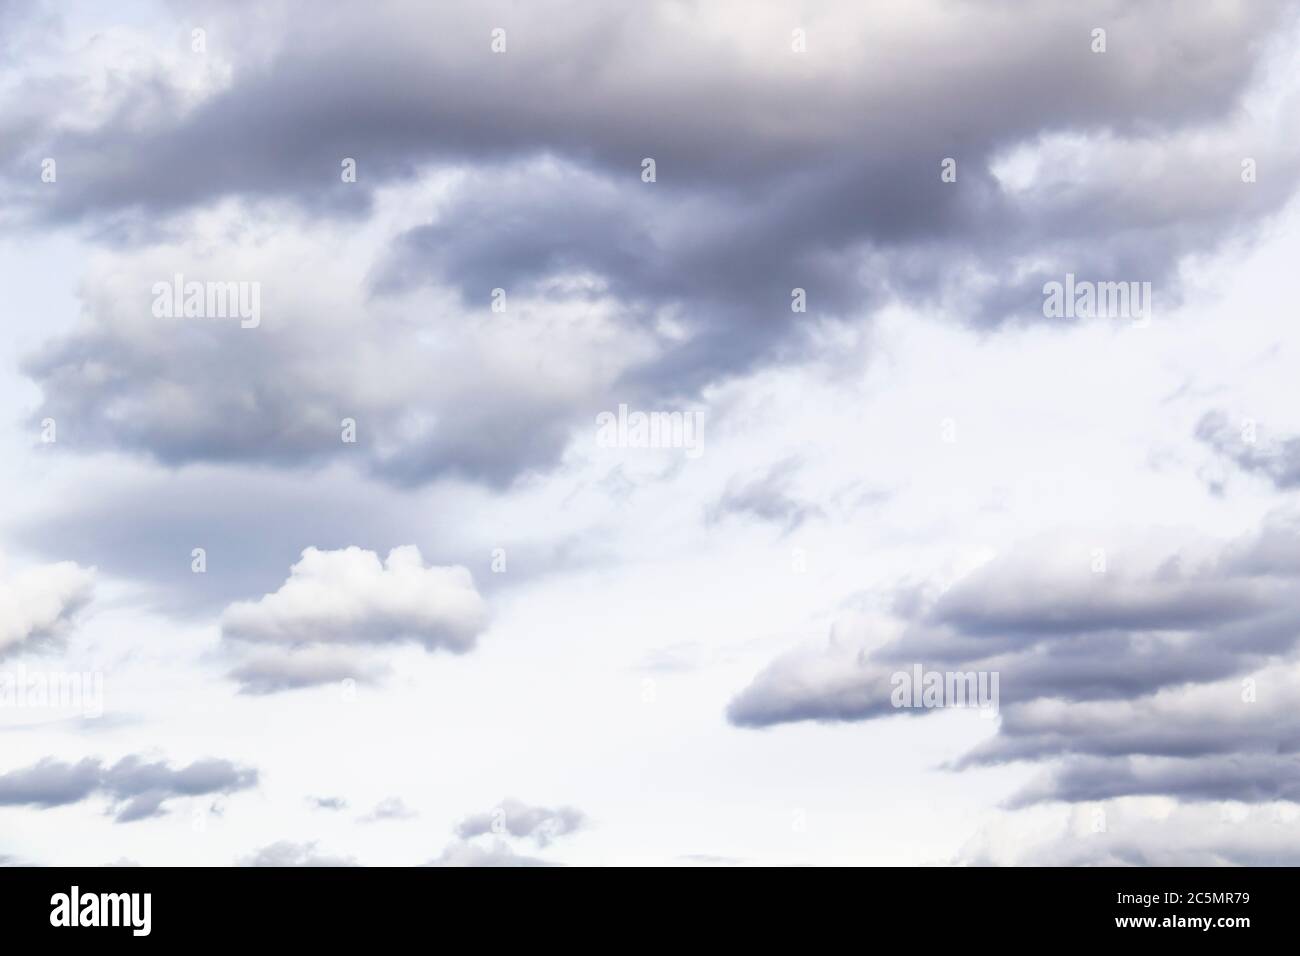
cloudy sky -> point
(339, 559)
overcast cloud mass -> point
(779, 433)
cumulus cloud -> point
(351, 598)
(41, 602)
(136, 788)
(775, 172)
(767, 496)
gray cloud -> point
(1247, 777)
(390, 808)
(518, 819)
(278, 672)
(1228, 740)
(1179, 722)
(136, 788)
(1278, 461)
(39, 604)
(1040, 616)
(1139, 681)
(762, 186)
(141, 523)
(767, 496)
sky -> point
(335, 532)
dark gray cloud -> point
(518, 819)
(1053, 627)
(1247, 777)
(1182, 722)
(135, 787)
(1235, 739)
(1170, 677)
(135, 522)
(775, 170)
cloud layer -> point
(1111, 165)
(1156, 674)
(350, 599)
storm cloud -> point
(41, 602)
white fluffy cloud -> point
(41, 602)
(351, 597)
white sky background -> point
(1086, 429)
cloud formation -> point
(518, 819)
(40, 603)
(136, 788)
(1110, 166)
(1278, 461)
(767, 496)
(351, 597)
(1162, 674)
